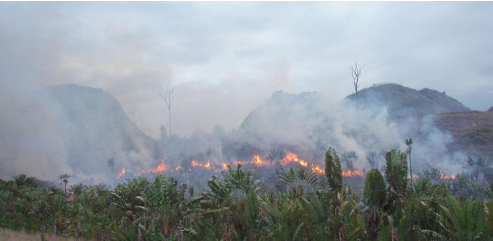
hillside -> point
(306, 118)
(472, 131)
(403, 101)
(97, 129)
(283, 109)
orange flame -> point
(292, 157)
(121, 174)
(207, 165)
(443, 176)
(160, 168)
(317, 169)
(258, 161)
(224, 165)
(352, 173)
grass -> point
(10, 235)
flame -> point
(317, 169)
(446, 177)
(292, 157)
(352, 173)
(121, 174)
(207, 165)
(160, 168)
(224, 165)
(258, 161)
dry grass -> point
(10, 235)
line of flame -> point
(258, 161)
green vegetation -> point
(235, 207)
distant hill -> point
(472, 131)
(403, 101)
(283, 109)
(97, 129)
(305, 117)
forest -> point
(296, 204)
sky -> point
(226, 58)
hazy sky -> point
(226, 58)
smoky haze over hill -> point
(403, 101)
(85, 132)
(226, 59)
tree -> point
(375, 197)
(409, 143)
(465, 221)
(333, 170)
(64, 178)
(355, 73)
(396, 175)
(168, 99)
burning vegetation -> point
(290, 159)
(238, 206)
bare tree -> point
(355, 73)
(168, 99)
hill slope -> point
(306, 118)
(472, 131)
(403, 101)
(97, 129)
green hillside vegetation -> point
(235, 207)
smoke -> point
(308, 124)
(225, 60)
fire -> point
(352, 173)
(317, 169)
(197, 164)
(224, 165)
(258, 161)
(443, 176)
(121, 174)
(160, 168)
(292, 157)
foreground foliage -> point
(234, 207)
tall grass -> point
(10, 235)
